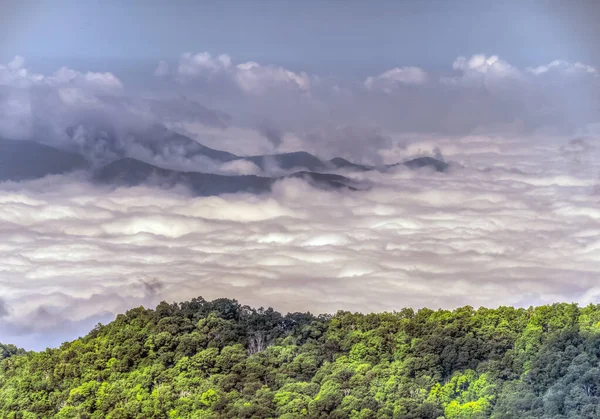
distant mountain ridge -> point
(26, 160)
(157, 140)
(132, 172)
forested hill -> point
(219, 359)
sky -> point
(507, 93)
(349, 38)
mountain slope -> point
(161, 141)
(289, 161)
(104, 144)
(421, 162)
(340, 163)
(24, 160)
(133, 172)
(219, 359)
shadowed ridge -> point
(420, 162)
(26, 160)
(289, 161)
(341, 163)
(132, 172)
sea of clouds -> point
(491, 231)
(515, 220)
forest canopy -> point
(220, 359)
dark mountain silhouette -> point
(417, 163)
(420, 162)
(289, 161)
(25, 160)
(132, 172)
(302, 159)
(340, 163)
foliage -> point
(219, 359)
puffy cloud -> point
(482, 64)
(16, 63)
(103, 80)
(14, 74)
(398, 75)
(255, 78)
(250, 77)
(482, 69)
(192, 65)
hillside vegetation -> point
(220, 359)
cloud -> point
(255, 78)
(16, 75)
(391, 78)
(564, 67)
(270, 131)
(192, 65)
(349, 141)
(66, 76)
(4, 309)
(481, 69)
(16, 63)
(513, 222)
(250, 77)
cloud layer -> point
(511, 223)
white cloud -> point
(564, 67)
(191, 65)
(482, 70)
(106, 79)
(485, 65)
(240, 167)
(14, 74)
(250, 76)
(398, 75)
(255, 78)
(16, 63)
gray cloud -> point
(270, 132)
(4, 309)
